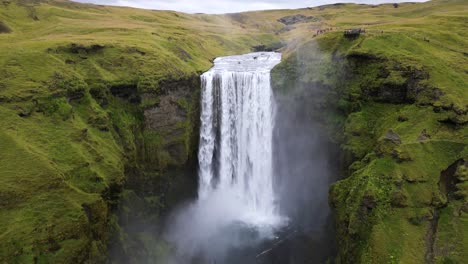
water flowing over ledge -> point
(236, 206)
(252, 62)
(236, 148)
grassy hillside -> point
(75, 83)
(78, 84)
(398, 104)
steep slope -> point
(398, 104)
(99, 114)
(96, 104)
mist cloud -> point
(228, 6)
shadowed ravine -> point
(259, 171)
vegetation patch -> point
(290, 20)
(98, 104)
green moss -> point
(149, 85)
(409, 171)
(76, 79)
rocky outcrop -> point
(291, 20)
(448, 214)
(393, 135)
(393, 83)
(174, 118)
(162, 170)
(4, 28)
(424, 135)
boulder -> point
(424, 136)
(4, 28)
(392, 137)
(399, 199)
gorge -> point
(124, 140)
(235, 193)
(252, 187)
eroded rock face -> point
(174, 119)
(161, 172)
(290, 20)
(391, 167)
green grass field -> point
(63, 151)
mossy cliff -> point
(400, 115)
(99, 116)
(72, 159)
(99, 123)
(403, 151)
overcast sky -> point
(228, 6)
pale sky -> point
(229, 6)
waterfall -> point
(235, 154)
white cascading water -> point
(236, 194)
(235, 155)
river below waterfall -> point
(251, 205)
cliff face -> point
(98, 124)
(120, 161)
(402, 154)
(161, 169)
(99, 116)
(175, 119)
(402, 128)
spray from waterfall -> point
(236, 135)
(235, 159)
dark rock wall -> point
(162, 172)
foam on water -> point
(237, 121)
(236, 205)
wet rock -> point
(424, 136)
(172, 119)
(269, 47)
